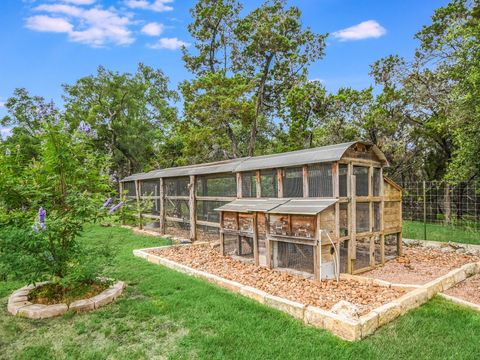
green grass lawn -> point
(439, 232)
(165, 314)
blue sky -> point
(46, 43)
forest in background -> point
(250, 95)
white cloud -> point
(79, 2)
(48, 24)
(5, 132)
(168, 43)
(93, 26)
(2, 104)
(155, 5)
(364, 30)
(153, 29)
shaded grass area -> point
(439, 232)
(165, 314)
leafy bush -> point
(45, 202)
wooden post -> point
(268, 243)
(382, 217)
(350, 217)
(280, 183)
(305, 181)
(192, 208)
(353, 236)
(255, 239)
(222, 235)
(370, 215)
(239, 185)
(400, 235)
(137, 192)
(317, 253)
(162, 206)
(258, 183)
(336, 195)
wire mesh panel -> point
(378, 249)
(362, 253)
(208, 233)
(151, 206)
(391, 246)
(361, 180)
(268, 183)
(376, 181)
(363, 217)
(320, 180)
(150, 187)
(343, 263)
(241, 246)
(178, 229)
(437, 210)
(343, 180)
(343, 219)
(217, 185)
(376, 216)
(293, 256)
(293, 182)
(206, 210)
(129, 188)
(177, 208)
(151, 224)
(177, 186)
(249, 184)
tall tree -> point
(132, 114)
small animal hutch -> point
(320, 211)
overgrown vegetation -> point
(163, 313)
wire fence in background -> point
(436, 210)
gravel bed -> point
(420, 265)
(323, 294)
(468, 290)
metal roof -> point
(292, 158)
(250, 205)
(303, 206)
(279, 206)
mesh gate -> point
(293, 256)
(238, 246)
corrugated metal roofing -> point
(250, 205)
(279, 206)
(303, 206)
(299, 157)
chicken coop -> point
(318, 212)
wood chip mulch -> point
(420, 265)
(468, 290)
(323, 294)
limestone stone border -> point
(460, 301)
(19, 305)
(345, 328)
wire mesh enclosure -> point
(363, 217)
(239, 246)
(391, 246)
(268, 183)
(362, 253)
(293, 182)
(249, 184)
(177, 186)
(177, 208)
(376, 181)
(150, 187)
(178, 228)
(361, 180)
(343, 207)
(342, 180)
(448, 208)
(293, 256)
(206, 210)
(208, 233)
(320, 180)
(129, 189)
(217, 185)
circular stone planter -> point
(19, 305)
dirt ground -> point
(323, 294)
(420, 265)
(468, 290)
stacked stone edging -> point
(18, 303)
(345, 328)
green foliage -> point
(132, 114)
(68, 178)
